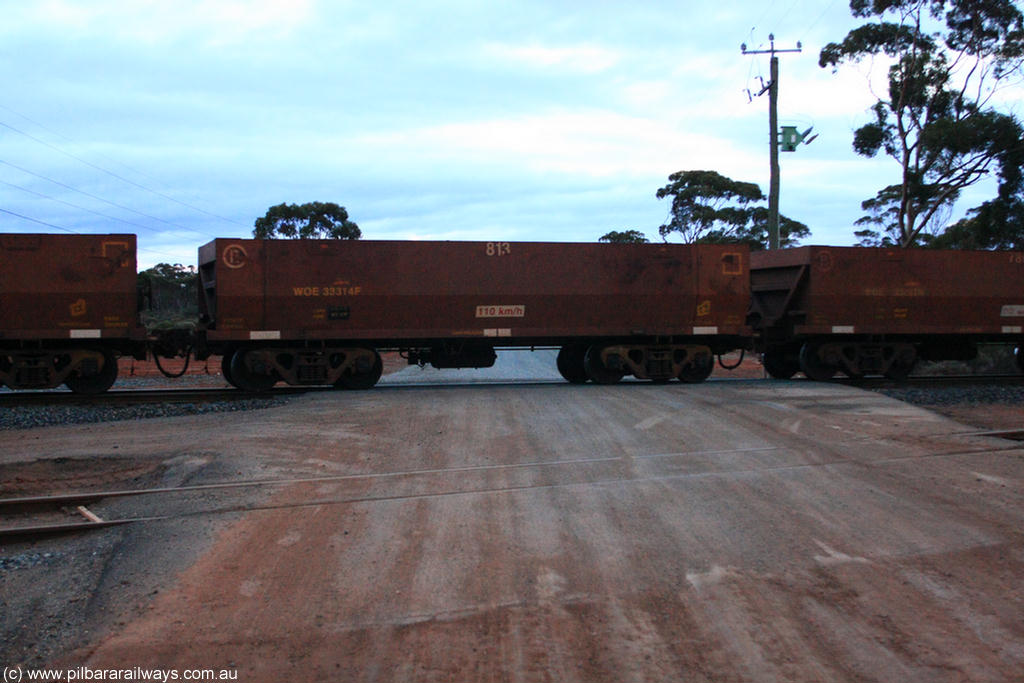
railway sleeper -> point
(688, 362)
(84, 371)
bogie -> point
(697, 370)
(94, 374)
(259, 368)
(603, 367)
(570, 363)
(84, 371)
(814, 365)
(781, 363)
(821, 359)
(250, 370)
(362, 373)
(225, 368)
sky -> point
(543, 120)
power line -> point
(767, 10)
(115, 175)
(820, 17)
(73, 232)
(65, 138)
(105, 201)
(36, 220)
(789, 11)
(76, 206)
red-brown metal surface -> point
(58, 287)
(855, 290)
(503, 291)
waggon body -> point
(452, 303)
(68, 307)
(868, 311)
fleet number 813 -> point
(499, 248)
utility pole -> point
(773, 125)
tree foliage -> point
(167, 294)
(624, 237)
(709, 207)
(996, 224)
(314, 220)
(935, 117)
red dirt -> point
(726, 532)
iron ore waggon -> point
(321, 311)
(859, 311)
(67, 310)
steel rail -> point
(133, 396)
(37, 530)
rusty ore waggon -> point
(320, 312)
(68, 307)
(823, 310)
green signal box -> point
(789, 138)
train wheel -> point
(225, 368)
(698, 370)
(361, 379)
(95, 382)
(899, 371)
(812, 364)
(248, 374)
(597, 371)
(780, 364)
(570, 363)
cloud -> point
(214, 22)
(585, 143)
(530, 120)
(587, 59)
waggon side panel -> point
(510, 290)
(723, 289)
(852, 290)
(58, 287)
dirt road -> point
(731, 531)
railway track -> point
(135, 396)
(933, 381)
(128, 396)
(27, 410)
(34, 517)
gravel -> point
(28, 417)
(28, 559)
(977, 394)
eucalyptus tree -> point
(314, 220)
(624, 237)
(709, 207)
(938, 117)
